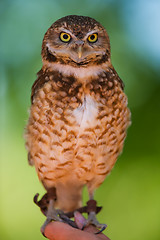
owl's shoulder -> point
(43, 76)
(111, 78)
(106, 82)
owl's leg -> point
(52, 215)
(92, 214)
(46, 204)
(56, 215)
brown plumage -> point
(79, 115)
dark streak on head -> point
(50, 57)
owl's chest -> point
(86, 113)
(69, 107)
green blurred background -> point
(131, 194)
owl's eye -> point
(65, 37)
(93, 38)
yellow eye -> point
(93, 37)
(65, 37)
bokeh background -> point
(131, 194)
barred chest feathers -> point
(76, 125)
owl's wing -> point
(30, 160)
(41, 79)
(114, 75)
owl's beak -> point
(79, 52)
(79, 48)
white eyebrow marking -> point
(91, 32)
(67, 31)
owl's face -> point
(77, 41)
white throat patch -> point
(81, 72)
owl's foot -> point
(93, 220)
(46, 204)
(52, 215)
(92, 210)
(56, 215)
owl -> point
(78, 115)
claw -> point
(44, 226)
(102, 229)
(68, 220)
(85, 225)
(102, 226)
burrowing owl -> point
(79, 115)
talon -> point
(44, 226)
(35, 199)
(102, 229)
(67, 220)
(84, 225)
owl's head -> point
(77, 41)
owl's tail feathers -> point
(69, 197)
